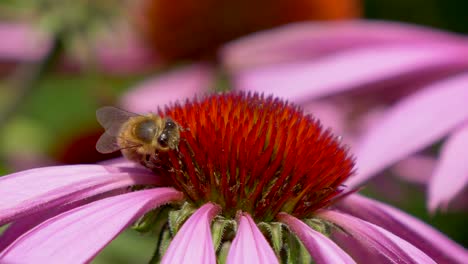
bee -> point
(139, 137)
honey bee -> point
(139, 137)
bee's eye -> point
(163, 140)
(145, 130)
(170, 124)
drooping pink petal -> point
(321, 248)
(19, 43)
(30, 191)
(178, 84)
(357, 251)
(23, 225)
(78, 235)
(416, 169)
(193, 242)
(309, 40)
(121, 163)
(249, 245)
(414, 123)
(381, 242)
(451, 174)
(432, 242)
(374, 67)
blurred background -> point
(51, 87)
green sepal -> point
(156, 257)
(223, 253)
(295, 250)
(274, 231)
(292, 251)
(218, 229)
(156, 223)
(276, 237)
(319, 225)
(165, 239)
(151, 220)
(178, 217)
(304, 253)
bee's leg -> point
(151, 161)
(156, 161)
(148, 162)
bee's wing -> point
(107, 144)
(112, 118)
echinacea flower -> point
(366, 55)
(253, 179)
(368, 80)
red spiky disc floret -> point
(255, 154)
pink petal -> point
(78, 235)
(21, 43)
(193, 242)
(451, 174)
(122, 53)
(30, 191)
(249, 245)
(23, 225)
(309, 40)
(414, 123)
(331, 115)
(432, 242)
(178, 84)
(368, 119)
(416, 169)
(357, 251)
(376, 239)
(25, 160)
(121, 163)
(322, 249)
(374, 67)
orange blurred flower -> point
(194, 29)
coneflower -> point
(253, 180)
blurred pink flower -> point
(367, 80)
(117, 52)
(67, 214)
(21, 44)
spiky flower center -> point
(259, 155)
